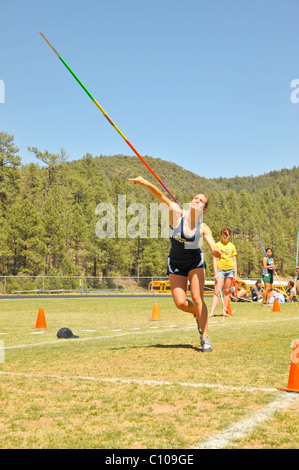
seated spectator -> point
(290, 291)
(276, 295)
(257, 291)
(241, 295)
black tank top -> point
(184, 248)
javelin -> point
(108, 118)
(269, 260)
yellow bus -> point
(164, 286)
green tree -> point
(25, 238)
(9, 171)
(54, 216)
(54, 167)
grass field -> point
(132, 383)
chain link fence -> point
(84, 285)
(33, 285)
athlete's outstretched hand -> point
(139, 180)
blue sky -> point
(205, 84)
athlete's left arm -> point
(207, 233)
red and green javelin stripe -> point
(108, 118)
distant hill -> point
(49, 214)
(187, 182)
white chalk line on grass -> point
(242, 428)
(141, 382)
(222, 440)
(90, 338)
(130, 332)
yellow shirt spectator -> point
(225, 270)
(228, 250)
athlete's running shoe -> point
(206, 344)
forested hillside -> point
(48, 214)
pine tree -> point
(25, 238)
(9, 171)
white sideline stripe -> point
(220, 323)
(140, 382)
(240, 429)
(90, 338)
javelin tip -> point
(54, 50)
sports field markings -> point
(165, 329)
(222, 440)
(144, 382)
(90, 338)
(242, 428)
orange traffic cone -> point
(156, 313)
(228, 310)
(276, 307)
(41, 319)
(293, 383)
